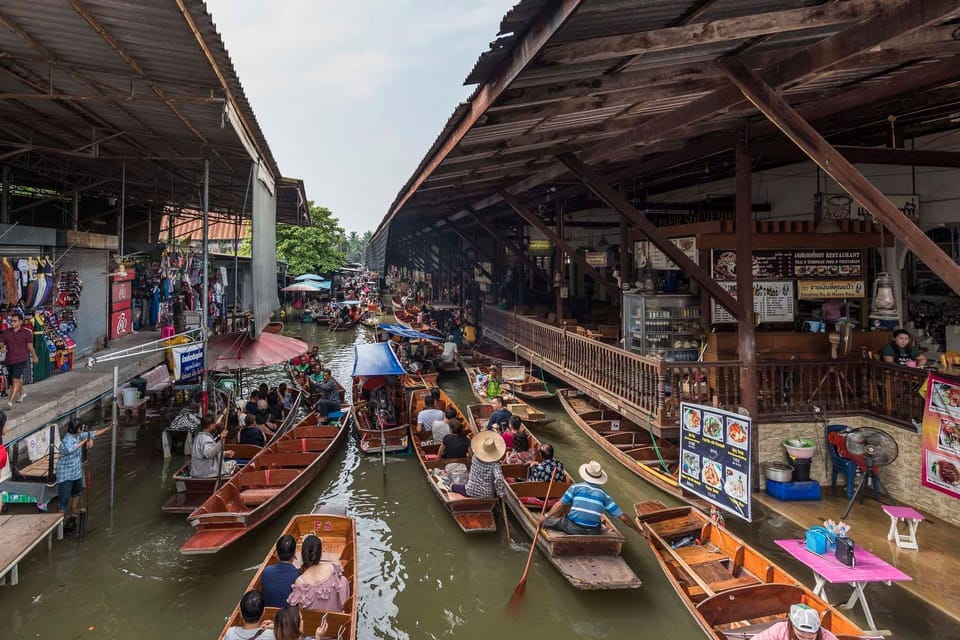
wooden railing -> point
(648, 388)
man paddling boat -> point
(580, 509)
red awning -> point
(238, 351)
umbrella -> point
(310, 276)
(233, 351)
(304, 287)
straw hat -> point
(593, 473)
(488, 446)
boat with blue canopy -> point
(380, 411)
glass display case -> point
(666, 326)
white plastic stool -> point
(912, 517)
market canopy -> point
(405, 332)
(310, 276)
(232, 351)
(304, 287)
(376, 359)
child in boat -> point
(321, 585)
(804, 624)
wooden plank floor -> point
(21, 533)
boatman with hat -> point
(804, 624)
(580, 509)
(486, 476)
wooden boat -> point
(472, 515)
(479, 415)
(273, 327)
(528, 414)
(630, 443)
(372, 321)
(730, 589)
(518, 381)
(193, 492)
(380, 409)
(336, 325)
(589, 562)
(495, 352)
(420, 380)
(339, 537)
(266, 484)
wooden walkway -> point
(19, 535)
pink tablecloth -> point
(869, 567)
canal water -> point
(419, 576)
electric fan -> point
(871, 449)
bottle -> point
(683, 542)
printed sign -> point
(187, 361)
(818, 289)
(121, 323)
(120, 295)
(940, 439)
(646, 254)
(773, 301)
(715, 457)
(597, 258)
(807, 264)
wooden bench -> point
(158, 380)
(255, 497)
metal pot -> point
(778, 471)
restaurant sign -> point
(806, 264)
(647, 255)
(597, 258)
(821, 289)
(940, 436)
(715, 457)
(773, 301)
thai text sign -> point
(940, 439)
(820, 289)
(715, 457)
(807, 264)
(773, 301)
(187, 361)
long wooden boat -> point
(479, 414)
(495, 352)
(589, 562)
(339, 537)
(266, 484)
(730, 588)
(394, 436)
(526, 385)
(472, 515)
(193, 492)
(631, 444)
(335, 325)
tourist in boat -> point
(274, 407)
(286, 397)
(251, 406)
(500, 417)
(329, 401)
(543, 470)
(514, 425)
(455, 444)
(486, 476)
(207, 447)
(425, 419)
(900, 351)
(251, 434)
(70, 467)
(288, 625)
(449, 350)
(437, 402)
(321, 585)
(580, 509)
(277, 579)
(522, 453)
(251, 610)
(441, 428)
(804, 624)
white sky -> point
(350, 94)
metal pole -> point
(5, 197)
(204, 311)
(123, 202)
(113, 433)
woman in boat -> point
(288, 625)
(455, 444)
(522, 453)
(512, 429)
(486, 476)
(804, 624)
(250, 434)
(321, 585)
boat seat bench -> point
(254, 497)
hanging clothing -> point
(41, 370)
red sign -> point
(127, 274)
(120, 295)
(121, 323)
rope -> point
(653, 439)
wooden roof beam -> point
(513, 246)
(792, 124)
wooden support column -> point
(745, 323)
(533, 220)
(618, 203)
(478, 250)
(513, 246)
(626, 262)
(561, 266)
(785, 117)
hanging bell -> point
(884, 305)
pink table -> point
(869, 568)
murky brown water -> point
(420, 577)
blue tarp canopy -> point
(322, 284)
(348, 303)
(310, 276)
(376, 359)
(406, 332)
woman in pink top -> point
(321, 585)
(804, 624)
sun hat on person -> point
(804, 618)
(488, 446)
(593, 473)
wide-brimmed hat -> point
(804, 618)
(488, 446)
(593, 473)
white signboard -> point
(773, 301)
(646, 254)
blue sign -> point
(188, 361)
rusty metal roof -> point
(89, 85)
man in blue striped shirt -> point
(580, 510)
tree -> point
(314, 248)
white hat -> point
(804, 618)
(488, 446)
(593, 473)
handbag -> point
(819, 541)
(844, 552)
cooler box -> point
(792, 491)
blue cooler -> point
(790, 491)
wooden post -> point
(745, 323)
(785, 117)
(561, 263)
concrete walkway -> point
(61, 393)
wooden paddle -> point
(521, 587)
(223, 449)
(506, 524)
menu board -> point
(646, 254)
(807, 264)
(773, 301)
(940, 439)
(715, 457)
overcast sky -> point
(350, 95)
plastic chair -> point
(845, 465)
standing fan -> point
(871, 449)
(840, 342)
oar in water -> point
(223, 447)
(521, 587)
(506, 525)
